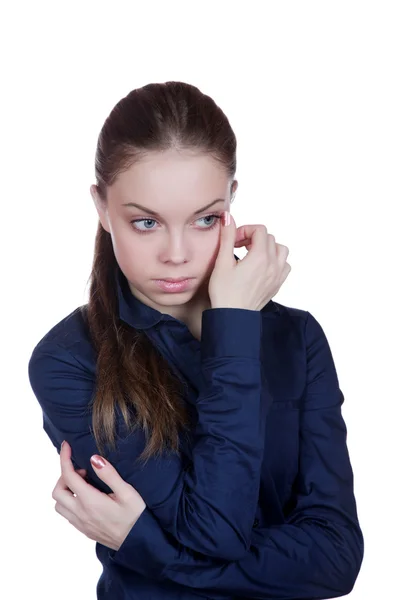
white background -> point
(312, 92)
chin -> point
(169, 297)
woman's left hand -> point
(105, 518)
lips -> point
(174, 286)
(171, 280)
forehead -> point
(173, 172)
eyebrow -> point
(153, 212)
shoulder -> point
(67, 338)
(67, 331)
(62, 368)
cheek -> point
(125, 241)
(210, 253)
(129, 252)
(134, 269)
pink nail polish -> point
(227, 218)
(98, 461)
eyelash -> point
(217, 218)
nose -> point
(175, 250)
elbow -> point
(347, 560)
(347, 582)
(353, 560)
(335, 557)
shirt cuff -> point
(231, 332)
(147, 549)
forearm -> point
(314, 558)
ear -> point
(234, 187)
(101, 207)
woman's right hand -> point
(251, 282)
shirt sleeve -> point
(317, 552)
(208, 503)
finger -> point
(247, 232)
(109, 474)
(242, 240)
(68, 515)
(245, 242)
(227, 242)
(64, 497)
(63, 511)
(74, 482)
(256, 237)
(62, 486)
(244, 232)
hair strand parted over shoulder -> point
(130, 372)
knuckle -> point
(260, 230)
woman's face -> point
(180, 240)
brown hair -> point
(130, 371)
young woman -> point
(218, 410)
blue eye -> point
(214, 223)
(142, 221)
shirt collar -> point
(141, 316)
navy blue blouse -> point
(260, 504)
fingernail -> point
(62, 444)
(98, 461)
(227, 218)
